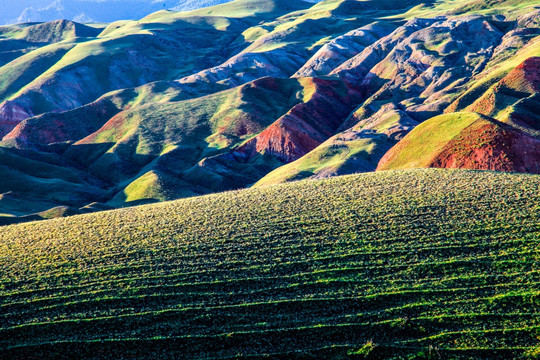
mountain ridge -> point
(257, 92)
(93, 11)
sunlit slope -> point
(387, 265)
(178, 104)
(341, 154)
(465, 140)
(163, 46)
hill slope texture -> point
(180, 104)
(415, 264)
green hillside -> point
(336, 156)
(428, 139)
(180, 104)
(415, 264)
(465, 140)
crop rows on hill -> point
(408, 264)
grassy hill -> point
(178, 104)
(466, 141)
(415, 264)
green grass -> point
(510, 8)
(416, 264)
(152, 186)
(26, 68)
(36, 182)
(175, 135)
(334, 157)
(494, 74)
(425, 142)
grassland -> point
(425, 142)
(335, 156)
(415, 264)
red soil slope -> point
(306, 125)
(520, 83)
(491, 146)
(481, 144)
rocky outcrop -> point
(423, 64)
(388, 120)
(246, 67)
(11, 114)
(342, 48)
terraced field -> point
(414, 264)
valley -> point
(255, 92)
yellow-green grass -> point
(494, 74)
(510, 8)
(152, 186)
(53, 31)
(311, 28)
(24, 69)
(184, 131)
(333, 157)
(105, 60)
(425, 142)
(413, 264)
(247, 8)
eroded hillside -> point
(259, 92)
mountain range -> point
(91, 10)
(271, 179)
(258, 92)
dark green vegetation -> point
(180, 104)
(416, 264)
(400, 264)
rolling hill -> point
(412, 264)
(414, 127)
(253, 92)
(465, 140)
(95, 11)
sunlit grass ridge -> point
(396, 265)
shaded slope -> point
(507, 99)
(345, 153)
(393, 264)
(69, 126)
(157, 51)
(281, 47)
(173, 136)
(34, 182)
(407, 76)
(493, 74)
(421, 65)
(24, 69)
(17, 40)
(324, 105)
(465, 140)
(200, 101)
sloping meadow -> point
(415, 264)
